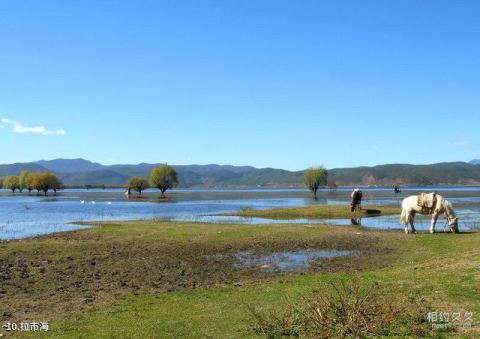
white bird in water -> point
(82, 201)
(93, 202)
(109, 202)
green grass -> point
(317, 212)
(450, 284)
(194, 298)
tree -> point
(163, 177)
(25, 181)
(11, 182)
(35, 183)
(57, 184)
(47, 181)
(138, 184)
(314, 177)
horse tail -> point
(403, 216)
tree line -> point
(39, 181)
(163, 177)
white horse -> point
(410, 208)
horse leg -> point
(409, 221)
(434, 222)
(410, 218)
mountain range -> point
(82, 172)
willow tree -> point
(35, 183)
(25, 181)
(137, 184)
(11, 182)
(47, 181)
(315, 177)
(164, 177)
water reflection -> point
(356, 221)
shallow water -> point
(23, 215)
(288, 260)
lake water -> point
(23, 215)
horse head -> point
(453, 223)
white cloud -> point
(463, 143)
(18, 127)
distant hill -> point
(99, 177)
(69, 165)
(18, 167)
(475, 161)
(81, 172)
(448, 173)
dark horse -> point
(356, 200)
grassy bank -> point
(317, 212)
(147, 279)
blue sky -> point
(286, 84)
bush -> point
(347, 310)
(287, 323)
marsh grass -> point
(317, 212)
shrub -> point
(345, 310)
